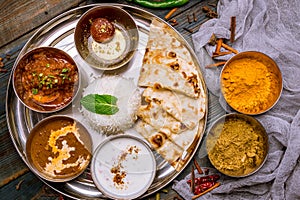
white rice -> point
(129, 100)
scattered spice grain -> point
(194, 17)
(18, 186)
(174, 23)
(1, 62)
(209, 12)
(212, 4)
(212, 40)
(157, 196)
(206, 9)
(188, 30)
(188, 18)
(206, 171)
(177, 198)
(170, 13)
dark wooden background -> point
(18, 21)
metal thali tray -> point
(59, 33)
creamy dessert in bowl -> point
(123, 167)
(106, 37)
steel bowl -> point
(107, 56)
(56, 99)
(237, 145)
(123, 167)
(51, 144)
(238, 79)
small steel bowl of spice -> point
(237, 145)
(106, 37)
(46, 79)
(58, 148)
(123, 167)
(251, 82)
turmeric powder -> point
(250, 86)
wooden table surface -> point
(19, 20)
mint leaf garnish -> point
(101, 104)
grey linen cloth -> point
(271, 27)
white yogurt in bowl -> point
(123, 167)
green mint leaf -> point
(101, 104)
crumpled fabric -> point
(271, 27)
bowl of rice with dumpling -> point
(110, 104)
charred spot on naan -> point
(175, 66)
(193, 79)
(159, 139)
(157, 86)
(184, 75)
(171, 54)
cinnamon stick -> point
(3, 70)
(198, 167)
(206, 191)
(232, 28)
(212, 40)
(217, 64)
(194, 17)
(223, 53)
(188, 30)
(170, 13)
(219, 45)
(229, 48)
(192, 180)
(188, 18)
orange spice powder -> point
(250, 86)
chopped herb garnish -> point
(101, 104)
(47, 65)
(35, 91)
(64, 70)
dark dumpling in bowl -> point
(102, 30)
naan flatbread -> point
(183, 108)
(174, 95)
(160, 142)
(168, 63)
(164, 38)
(167, 70)
(157, 117)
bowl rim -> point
(44, 48)
(131, 52)
(243, 117)
(274, 65)
(96, 154)
(33, 132)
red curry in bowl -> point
(46, 79)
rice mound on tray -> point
(129, 99)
